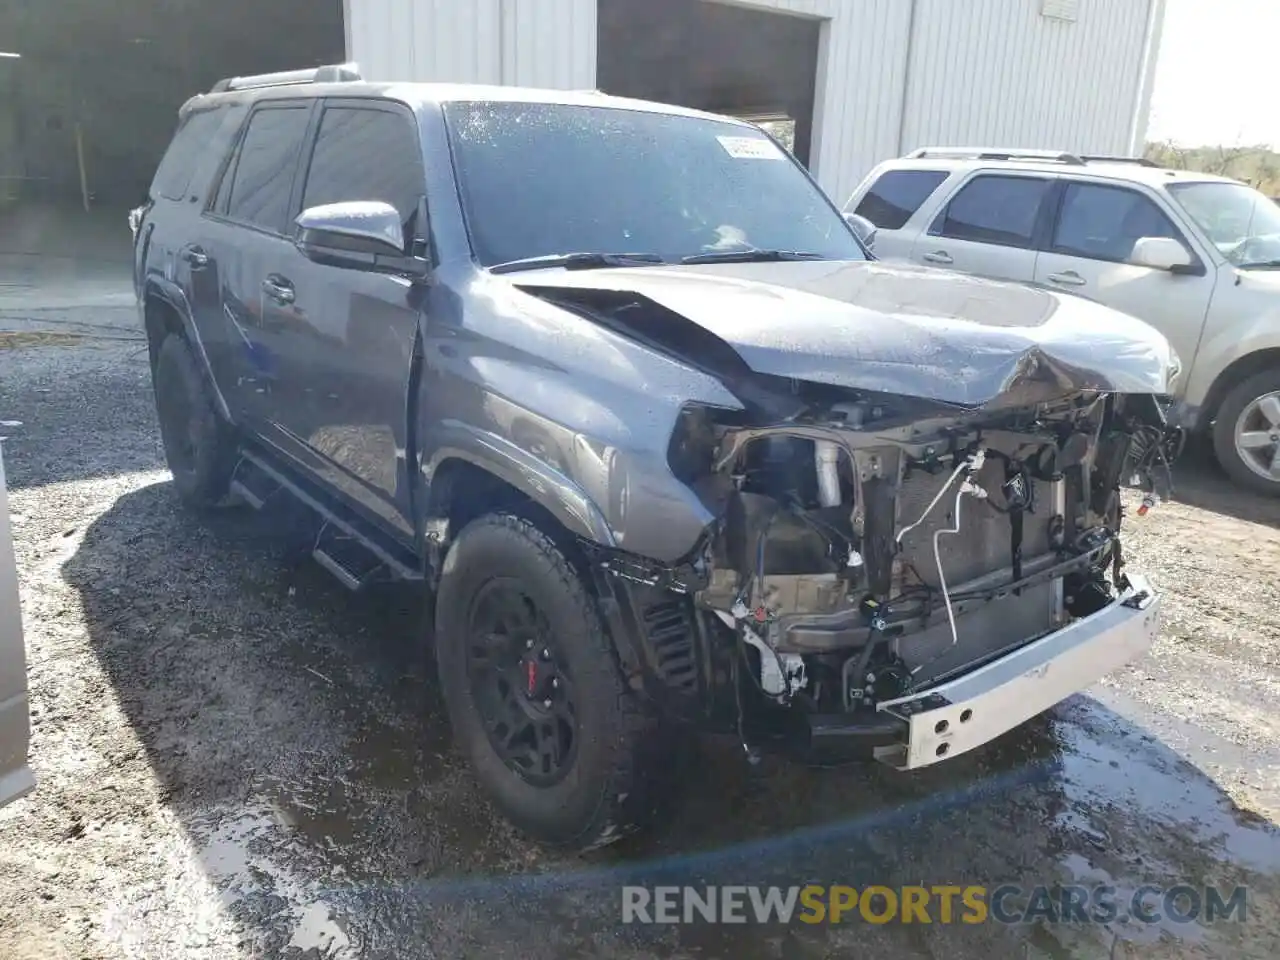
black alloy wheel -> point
(522, 691)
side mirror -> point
(864, 228)
(1162, 253)
(362, 234)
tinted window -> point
(540, 179)
(896, 195)
(1103, 223)
(190, 144)
(991, 209)
(264, 170)
(364, 154)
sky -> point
(1216, 79)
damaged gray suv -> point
(665, 448)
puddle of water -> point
(1116, 774)
(245, 854)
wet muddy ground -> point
(236, 758)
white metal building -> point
(862, 80)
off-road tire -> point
(615, 779)
(199, 446)
(1224, 444)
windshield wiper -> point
(752, 256)
(578, 261)
(1259, 265)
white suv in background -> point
(1195, 256)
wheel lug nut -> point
(546, 654)
(528, 644)
(546, 703)
(555, 683)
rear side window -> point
(189, 145)
(263, 175)
(364, 153)
(1103, 223)
(994, 209)
(897, 194)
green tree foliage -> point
(1258, 166)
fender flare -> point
(539, 481)
(173, 296)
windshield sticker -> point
(750, 148)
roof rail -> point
(989, 153)
(332, 73)
(1098, 158)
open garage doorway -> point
(756, 64)
(90, 90)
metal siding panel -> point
(400, 36)
(996, 72)
(549, 43)
(1142, 117)
(859, 100)
(426, 40)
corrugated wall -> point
(998, 72)
(425, 39)
(537, 43)
(981, 71)
(549, 43)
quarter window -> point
(190, 143)
(897, 195)
(994, 209)
(1103, 223)
(263, 176)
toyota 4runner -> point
(1194, 255)
(622, 390)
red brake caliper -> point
(532, 671)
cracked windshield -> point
(639, 479)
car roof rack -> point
(1099, 158)
(1045, 156)
(332, 73)
(990, 153)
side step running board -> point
(340, 547)
(247, 495)
(350, 560)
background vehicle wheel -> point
(199, 445)
(533, 689)
(1246, 435)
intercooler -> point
(980, 554)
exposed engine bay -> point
(873, 547)
(909, 498)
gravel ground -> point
(238, 759)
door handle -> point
(1068, 278)
(196, 257)
(938, 256)
(278, 289)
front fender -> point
(539, 481)
(1222, 347)
(172, 295)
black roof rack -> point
(1140, 161)
(332, 73)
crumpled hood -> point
(872, 326)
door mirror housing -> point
(359, 234)
(1162, 253)
(864, 228)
